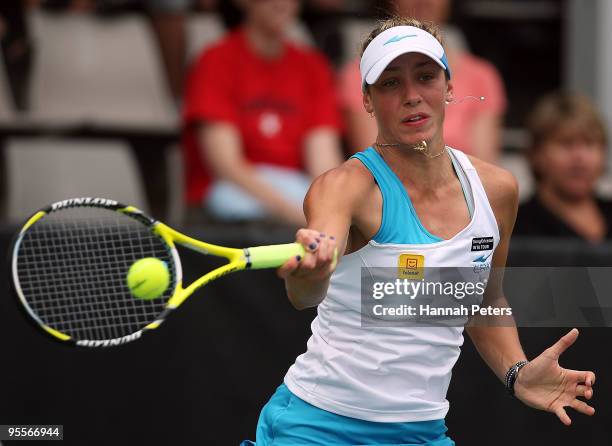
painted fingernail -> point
(332, 237)
(318, 240)
(312, 246)
(321, 235)
(298, 258)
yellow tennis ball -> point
(148, 278)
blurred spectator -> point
(471, 126)
(261, 118)
(567, 157)
(16, 50)
(168, 21)
(323, 20)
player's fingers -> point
(584, 391)
(324, 253)
(582, 377)
(562, 414)
(590, 378)
(328, 256)
(582, 407)
(309, 238)
(564, 343)
(289, 267)
(307, 264)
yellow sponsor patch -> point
(410, 266)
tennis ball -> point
(148, 278)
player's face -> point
(436, 11)
(570, 163)
(408, 100)
(272, 16)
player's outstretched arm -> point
(542, 383)
(496, 337)
(329, 208)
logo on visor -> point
(398, 38)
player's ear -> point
(367, 101)
(449, 92)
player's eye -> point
(389, 83)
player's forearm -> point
(305, 293)
(498, 346)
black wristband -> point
(511, 375)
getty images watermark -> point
(452, 297)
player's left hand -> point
(544, 384)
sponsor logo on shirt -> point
(410, 266)
(482, 258)
(482, 243)
(481, 263)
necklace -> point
(420, 147)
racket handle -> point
(273, 256)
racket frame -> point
(260, 257)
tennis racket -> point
(71, 259)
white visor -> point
(394, 42)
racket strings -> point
(72, 267)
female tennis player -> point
(408, 194)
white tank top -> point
(390, 374)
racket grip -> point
(273, 256)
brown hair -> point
(555, 111)
(558, 111)
(396, 20)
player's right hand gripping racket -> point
(70, 262)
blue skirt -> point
(286, 420)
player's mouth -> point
(416, 119)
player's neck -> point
(265, 45)
(413, 167)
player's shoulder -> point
(500, 185)
(349, 180)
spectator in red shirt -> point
(261, 119)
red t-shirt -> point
(273, 103)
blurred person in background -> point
(17, 49)
(472, 126)
(567, 156)
(323, 20)
(260, 120)
(168, 21)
